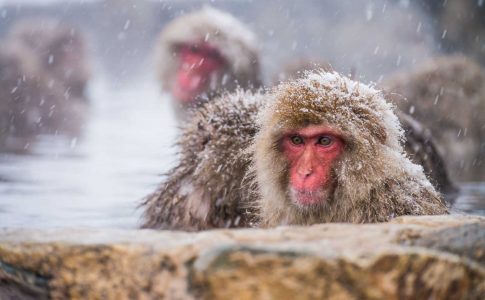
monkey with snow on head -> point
(329, 150)
(419, 143)
(204, 53)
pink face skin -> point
(311, 153)
(198, 62)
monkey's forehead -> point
(315, 104)
(210, 25)
(330, 98)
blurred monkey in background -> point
(204, 53)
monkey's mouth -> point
(308, 197)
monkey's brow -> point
(312, 136)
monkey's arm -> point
(205, 189)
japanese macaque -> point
(42, 82)
(204, 53)
(61, 52)
(206, 189)
(329, 150)
(324, 149)
(23, 93)
(419, 143)
(447, 96)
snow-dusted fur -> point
(226, 178)
(205, 189)
(236, 43)
(447, 95)
(374, 180)
(419, 143)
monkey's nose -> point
(305, 172)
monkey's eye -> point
(324, 141)
(297, 140)
(194, 49)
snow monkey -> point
(324, 149)
(329, 150)
(447, 96)
(419, 143)
(204, 52)
(206, 188)
(60, 49)
(43, 75)
(21, 92)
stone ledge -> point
(439, 257)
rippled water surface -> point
(98, 180)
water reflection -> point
(99, 179)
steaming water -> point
(98, 181)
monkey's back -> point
(206, 188)
(447, 96)
(421, 149)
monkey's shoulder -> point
(205, 189)
(221, 129)
(408, 195)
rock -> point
(439, 257)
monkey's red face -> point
(199, 64)
(311, 152)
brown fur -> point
(236, 43)
(60, 50)
(36, 94)
(205, 190)
(212, 185)
(419, 143)
(447, 95)
(19, 86)
(374, 181)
